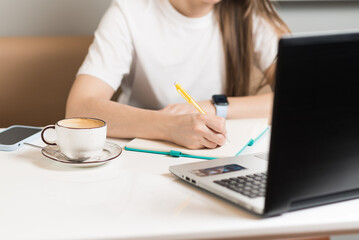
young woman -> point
(210, 47)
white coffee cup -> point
(78, 138)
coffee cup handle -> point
(43, 136)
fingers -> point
(217, 124)
(210, 144)
(215, 138)
(211, 138)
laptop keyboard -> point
(252, 186)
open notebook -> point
(240, 133)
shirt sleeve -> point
(265, 43)
(111, 53)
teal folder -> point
(240, 133)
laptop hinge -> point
(325, 199)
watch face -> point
(220, 99)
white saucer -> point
(109, 152)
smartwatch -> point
(220, 102)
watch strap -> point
(221, 110)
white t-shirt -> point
(145, 46)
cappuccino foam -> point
(81, 123)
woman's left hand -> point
(186, 108)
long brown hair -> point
(235, 18)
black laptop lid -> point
(314, 152)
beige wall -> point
(80, 17)
(307, 16)
(50, 17)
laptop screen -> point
(314, 153)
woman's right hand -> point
(196, 131)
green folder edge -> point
(179, 154)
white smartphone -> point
(14, 137)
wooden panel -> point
(35, 77)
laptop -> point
(313, 157)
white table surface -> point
(135, 196)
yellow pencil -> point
(188, 97)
